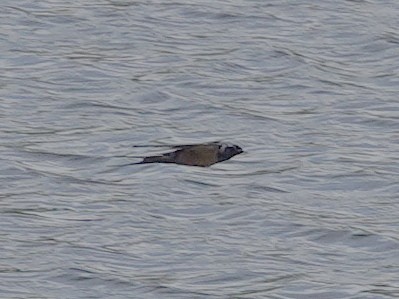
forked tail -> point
(155, 159)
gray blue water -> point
(308, 89)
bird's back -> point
(200, 155)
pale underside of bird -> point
(203, 155)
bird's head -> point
(228, 150)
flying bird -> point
(203, 155)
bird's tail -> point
(156, 159)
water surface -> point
(309, 90)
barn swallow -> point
(197, 154)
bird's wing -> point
(180, 146)
(185, 146)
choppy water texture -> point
(309, 89)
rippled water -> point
(309, 90)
